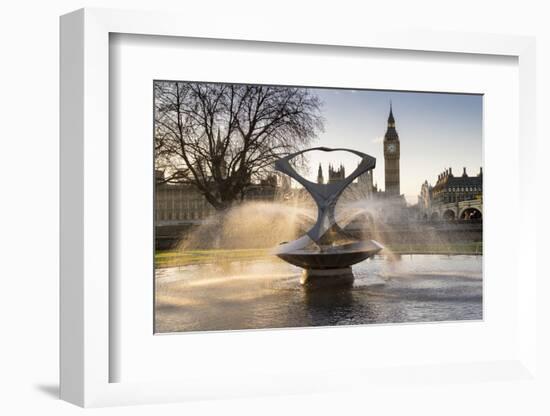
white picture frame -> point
(85, 211)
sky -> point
(436, 131)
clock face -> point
(392, 147)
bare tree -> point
(222, 137)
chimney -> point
(450, 171)
(480, 171)
(464, 174)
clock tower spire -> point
(391, 157)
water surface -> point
(267, 294)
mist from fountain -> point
(265, 224)
(250, 225)
(261, 225)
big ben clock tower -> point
(391, 158)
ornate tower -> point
(320, 175)
(335, 175)
(391, 157)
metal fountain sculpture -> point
(326, 250)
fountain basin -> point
(331, 257)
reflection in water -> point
(338, 299)
(267, 294)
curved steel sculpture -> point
(318, 252)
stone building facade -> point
(452, 197)
(178, 204)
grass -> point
(451, 248)
(171, 258)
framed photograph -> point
(256, 229)
(282, 213)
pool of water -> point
(267, 294)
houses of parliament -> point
(183, 204)
(365, 184)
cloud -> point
(378, 140)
